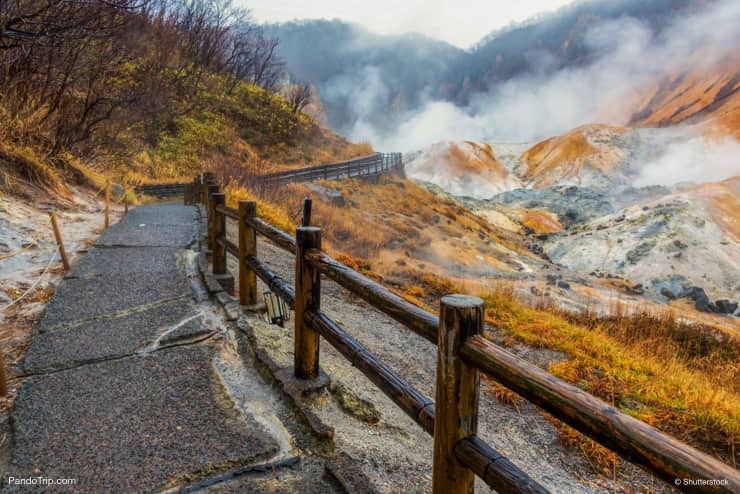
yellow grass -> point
(675, 377)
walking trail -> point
(138, 381)
(135, 382)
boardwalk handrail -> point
(460, 362)
(373, 164)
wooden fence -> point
(463, 354)
(372, 165)
(161, 190)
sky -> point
(459, 22)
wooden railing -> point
(161, 190)
(374, 164)
(463, 354)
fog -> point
(529, 108)
(692, 160)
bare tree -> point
(298, 94)
(267, 64)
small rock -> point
(700, 298)
(564, 285)
(725, 306)
(667, 293)
(332, 196)
(552, 279)
(535, 291)
(636, 289)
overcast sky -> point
(460, 22)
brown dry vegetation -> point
(146, 91)
(707, 96)
(680, 377)
(565, 156)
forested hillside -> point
(369, 83)
(145, 89)
(359, 73)
(552, 42)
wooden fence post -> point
(107, 203)
(60, 242)
(307, 297)
(125, 200)
(219, 231)
(3, 381)
(247, 247)
(456, 405)
(211, 217)
(306, 220)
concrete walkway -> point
(134, 383)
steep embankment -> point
(467, 168)
(588, 155)
(699, 95)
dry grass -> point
(677, 377)
(32, 166)
(269, 207)
(683, 379)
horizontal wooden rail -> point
(369, 165)
(633, 439)
(278, 237)
(274, 282)
(228, 212)
(418, 320)
(161, 190)
(230, 247)
(320, 168)
(494, 468)
(415, 404)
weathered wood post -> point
(307, 297)
(247, 247)
(3, 381)
(307, 204)
(456, 405)
(107, 203)
(211, 217)
(60, 242)
(125, 200)
(219, 231)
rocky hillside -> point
(467, 168)
(698, 94)
(610, 203)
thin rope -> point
(12, 254)
(35, 284)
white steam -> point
(692, 160)
(531, 108)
